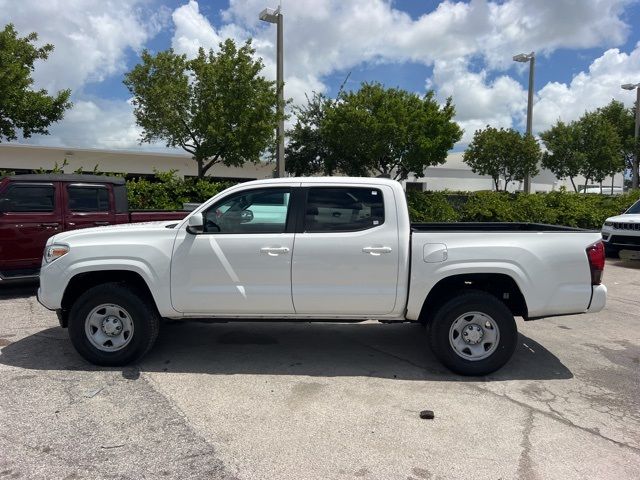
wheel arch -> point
(502, 286)
(81, 282)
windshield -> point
(635, 208)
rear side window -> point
(30, 198)
(343, 209)
(88, 199)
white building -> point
(454, 175)
(23, 158)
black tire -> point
(143, 315)
(484, 303)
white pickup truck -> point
(329, 249)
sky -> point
(584, 50)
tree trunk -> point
(573, 183)
(496, 181)
(200, 163)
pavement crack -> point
(556, 415)
(525, 463)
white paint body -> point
(325, 275)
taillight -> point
(596, 256)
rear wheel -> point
(113, 324)
(473, 334)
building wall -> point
(453, 175)
(18, 157)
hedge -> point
(559, 207)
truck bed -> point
(491, 227)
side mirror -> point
(195, 224)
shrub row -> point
(169, 192)
(560, 208)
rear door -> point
(32, 215)
(87, 205)
(345, 260)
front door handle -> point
(376, 251)
(101, 224)
(274, 251)
(49, 225)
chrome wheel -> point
(474, 336)
(109, 327)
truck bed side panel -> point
(550, 268)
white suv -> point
(621, 234)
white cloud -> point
(588, 90)
(95, 123)
(478, 101)
(91, 37)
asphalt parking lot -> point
(298, 401)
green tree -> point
(623, 120)
(217, 106)
(563, 157)
(599, 146)
(21, 108)
(503, 153)
(375, 130)
(307, 152)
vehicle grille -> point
(626, 226)
(624, 240)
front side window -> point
(343, 209)
(253, 211)
(88, 199)
(30, 198)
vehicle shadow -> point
(18, 289)
(394, 351)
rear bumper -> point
(598, 299)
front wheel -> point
(473, 334)
(113, 325)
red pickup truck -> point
(36, 207)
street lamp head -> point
(269, 15)
(523, 57)
(630, 86)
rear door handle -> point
(274, 251)
(49, 225)
(101, 223)
(376, 251)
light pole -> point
(531, 58)
(636, 153)
(275, 16)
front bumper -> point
(614, 241)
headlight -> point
(55, 251)
(608, 224)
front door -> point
(241, 263)
(346, 258)
(31, 216)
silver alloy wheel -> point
(109, 327)
(474, 336)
